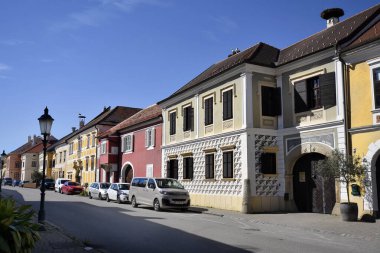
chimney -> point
(73, 129)
(34, 139)
(332, 16)
(29, 138)
(81, 120)
(234, 51)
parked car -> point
(98, 190)
(58, 184)
(49, 183)
(159, 193)
(16, 182)
(118, 192)
(7, 181)
(22, 182)
(71, 188)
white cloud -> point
(99, 13)
(225, 24)
(4, 67)
(15, 42)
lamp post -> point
(3, 156)
(46, 121)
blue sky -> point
(77, 56)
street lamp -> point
(46, 121)
(3, 156)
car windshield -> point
(124, 186)
(64, 181)
(73, 183)
(104, 185)
(169, 183)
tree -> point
(36, 176)
(345, 168)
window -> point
(79, 144)
(228, 164)
(34, 163)
(172, 167)
(64, 156)
(268, 163)
(92, 162)
(188, 118)
(71, 148)
(60, 157)
(376, 87)
(227, 105)
(270, 101)
(87, 163)
(93, 140)
(149, 137)
(18, 165)
(188, 168)
(88, 141)
(23, 164)
(128, 143)
(103, 148)
(149, 170)
(209, 113)
(314, 92)
(172, 119)
(209, 166)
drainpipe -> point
(97, 171)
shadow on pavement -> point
(112, 229)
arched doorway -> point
(127, 173)
(311, 192)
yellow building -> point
(362, 57)
(82, 145)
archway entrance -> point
(378, 185)
(128, 174)
(311, 192)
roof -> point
(329, 37)
(31, 145)
(109, 117)
(259, 54)
(148, 113)
(268, 56)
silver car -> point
(159, 193)
(118, 192)
(98, 190)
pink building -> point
(133, 146)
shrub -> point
(36, 176)
(18, 234)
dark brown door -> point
(311, 192)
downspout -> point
(97, 170)
(346, 101)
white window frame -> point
(150, 135)
(127, 148)
(103, 148)
(149, 170)
(71, 148)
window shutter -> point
(146, 137)
(153, 136)
(185, 167)
(225, 106)
(327, 87)
(267, 101)
(277, 100)
(168, 169)
(132, 142)
(184, 119)
(191, 171)
(191, 118)
(300, 97)
(175, 169)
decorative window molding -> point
(230, 87)
(186, 154)
(229, 147)
(212, 95)
(103, 147)
(304, 75)
(209, 150)
(127, 142)
(150, 135)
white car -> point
(98, 190)
(59, 182)
(118, 192)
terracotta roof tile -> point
(146, 114)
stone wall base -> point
(233, 203)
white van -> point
(159, 193)
(58, 184)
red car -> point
(71, 188)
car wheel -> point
(100, 196)
(184, 209)
(89, 195)
(118, 200)
(59, 190)
(156, 205)
(108, 199)
(134, 202)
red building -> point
(134, 146)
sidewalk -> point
(53, 240)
